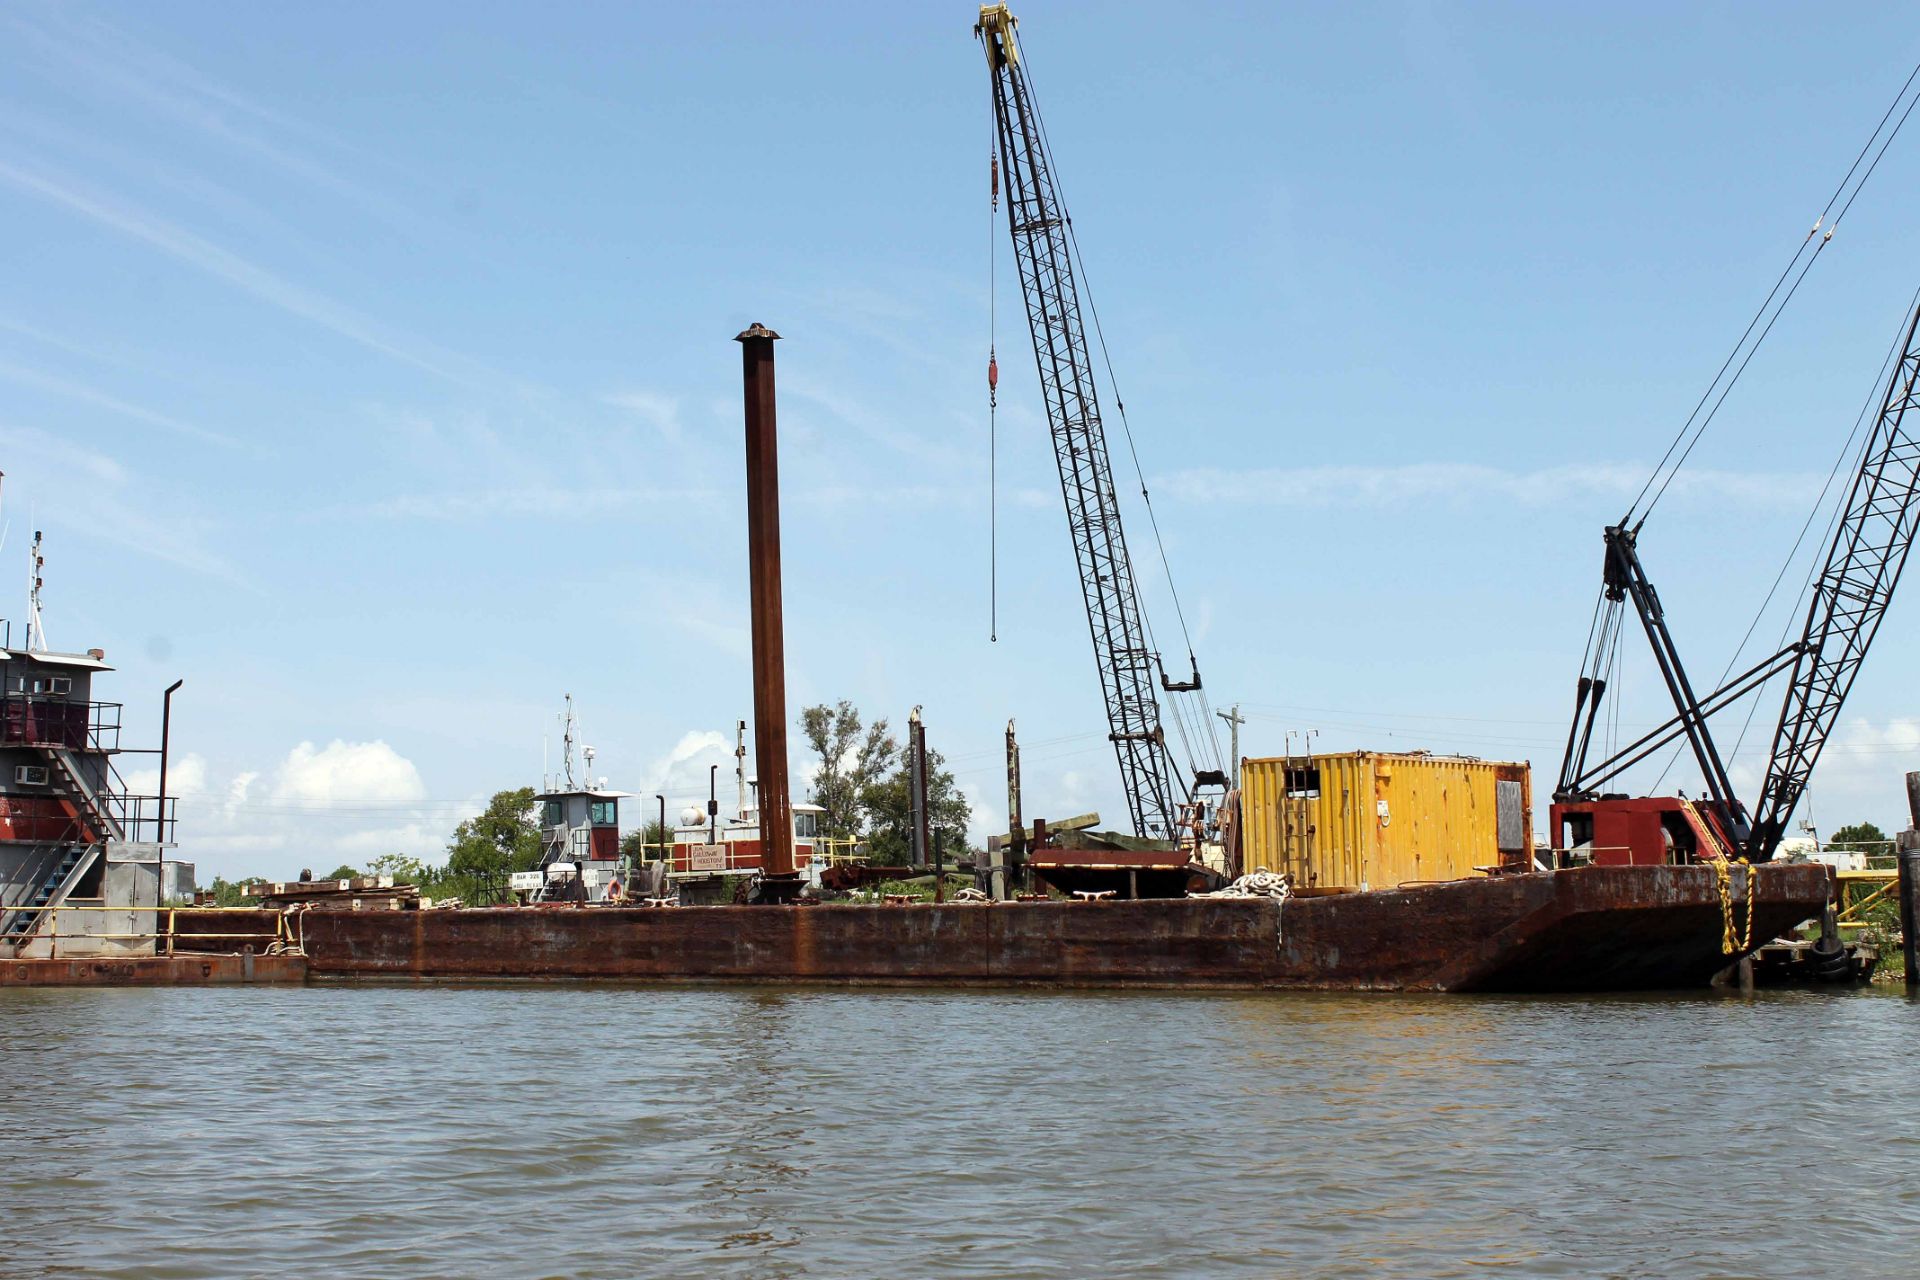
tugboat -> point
(580, 858)
(714, 860)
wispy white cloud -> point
(1381, 486)
(881, 428)
(694, 605)
(195, 251)
(536, 500)
(113, 404)
(661, 412)
(117, 512)
(81, 50)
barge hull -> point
(153, 971)
(1596, 928)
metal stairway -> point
(61, 872)
(102, 815)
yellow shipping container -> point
(1377, 820)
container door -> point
(1299, 826)
(1511, 820)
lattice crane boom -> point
(1038, 222)
(1873, 533)
(1850, 597)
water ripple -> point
(614, 1131)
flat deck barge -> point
(1586, 929)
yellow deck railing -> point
(284, 935)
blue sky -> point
(370, 367)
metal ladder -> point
(95, 810)
(52, 887)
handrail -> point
(45, 720)
(282, 930)
(839, 850)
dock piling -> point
(1907, 860)
(779, 883)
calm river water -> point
(615, 1131)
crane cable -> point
(1813, 570)
(1768, 302)
(1205, 728)
(993, 394)
(1847, 452)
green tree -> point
(641, 845)
(1861, 836)
(853, 758)
(232, 893)
(403, 869)
(888, 807)
(502, 839)
(341, 872)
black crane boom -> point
(1125, 657)
(1873, 533)
(1850, 597)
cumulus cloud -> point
(1862, 774)
(353, 772)
(186, 776)
(346, 802)
(683, 769)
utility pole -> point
(1235, 719)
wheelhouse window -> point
(606, 813)
(806, 826)
(550, 816)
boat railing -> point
(284, 936)
(40, 720)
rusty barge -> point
(1582, 929)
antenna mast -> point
(36, 628)
(740, 766)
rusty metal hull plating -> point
(1601, 928)
(152, 971)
